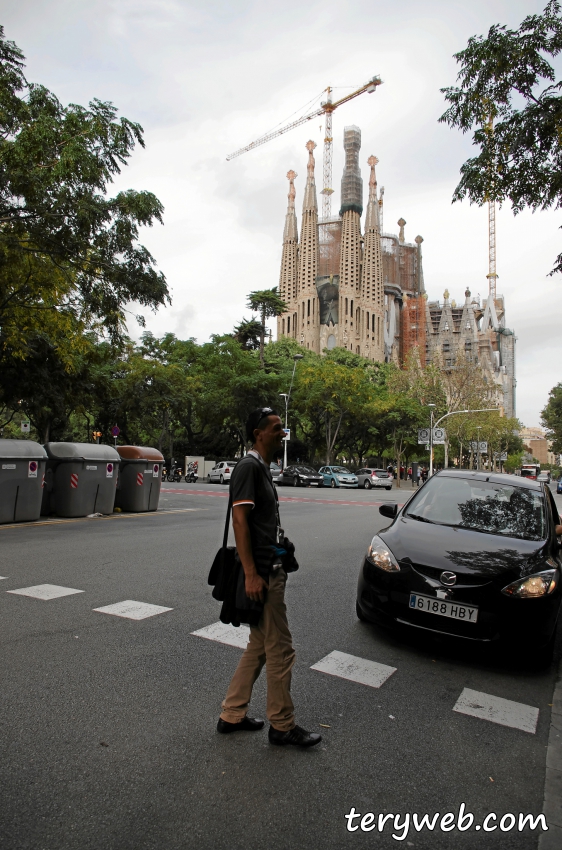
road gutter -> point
(552, 805)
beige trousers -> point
(270, 643)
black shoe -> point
(249, 724)
(297, 736)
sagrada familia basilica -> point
(364, 291)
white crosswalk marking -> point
(355, 669)
(498, 710)
(2, 578)
(132, 610)
(45, 591)
(220, 632)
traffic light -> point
(96, 435)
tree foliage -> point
(508, 95)
(67, 249)
(551, 418)
(268, 304)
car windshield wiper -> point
(421, 518)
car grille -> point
(463, 579)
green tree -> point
(551, 418)
(249, 333)
(64, 244)
(509, 96)
(268, 304)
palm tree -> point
(268, 303)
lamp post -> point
(478, 428)
(287, 396)
(431, 406)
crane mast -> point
(327, 108)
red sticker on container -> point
(140, 479)
(74, 480)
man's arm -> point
(255, 584)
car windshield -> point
(340, 470)
(481, 506)
(306, 469)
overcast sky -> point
(204, 79)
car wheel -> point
(332, 483)
(208, 479)
(389, 488)
(222, 479)
(360, 615)
(367, 484)
(295, 481)
(320, 484)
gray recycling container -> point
(140, 479)
(22, 468)
(80, 479)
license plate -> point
(431, 605)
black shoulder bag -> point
(223, 573)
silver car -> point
(221, 472)
(275, 470)
(369, 477)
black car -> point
(300, 475)
(472, 555)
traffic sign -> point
(25, 427)
(439, 436)
(32, 469)
(287, 434)
(115, 431)
(423, 435)
(481, 447)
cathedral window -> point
(446, 347)
(283, 326)
(308, 313)
(446, 326)
(288, 324)
(346, 306)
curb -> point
(552, 805)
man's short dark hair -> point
(256, 419)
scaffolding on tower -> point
(412, 319)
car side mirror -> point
(389, 509)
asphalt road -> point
(107, 725)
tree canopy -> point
(68, 251)
(509, 96)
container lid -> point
(10, 449)
(139, 453)
(81, 451)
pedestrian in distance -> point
(259, 544)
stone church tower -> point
(332, 282)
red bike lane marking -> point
(281, 498)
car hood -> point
(462, 551)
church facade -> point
(364, 290)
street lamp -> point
(287, 396)
(478, 428)
(431, 406)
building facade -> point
(364, 290)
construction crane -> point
(326, 108)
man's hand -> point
(255, 587)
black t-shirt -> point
(251, 484)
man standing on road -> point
(255, 519)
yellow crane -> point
(326, 108)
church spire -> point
(308, 252)
(372, 216)
(289, 258)
(290, 231)
(310, 203)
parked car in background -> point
(544, 477)
(275, 470)
(221, 472)
(369, 477)
(338, 476)
(300, 475)
(472, 555)
(559, 485)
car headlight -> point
(532, 587)
(380, 555)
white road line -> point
(505, 712)
(45, 591)
(355, 669)
(231, 635)
(2, 578)
(132, 610)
